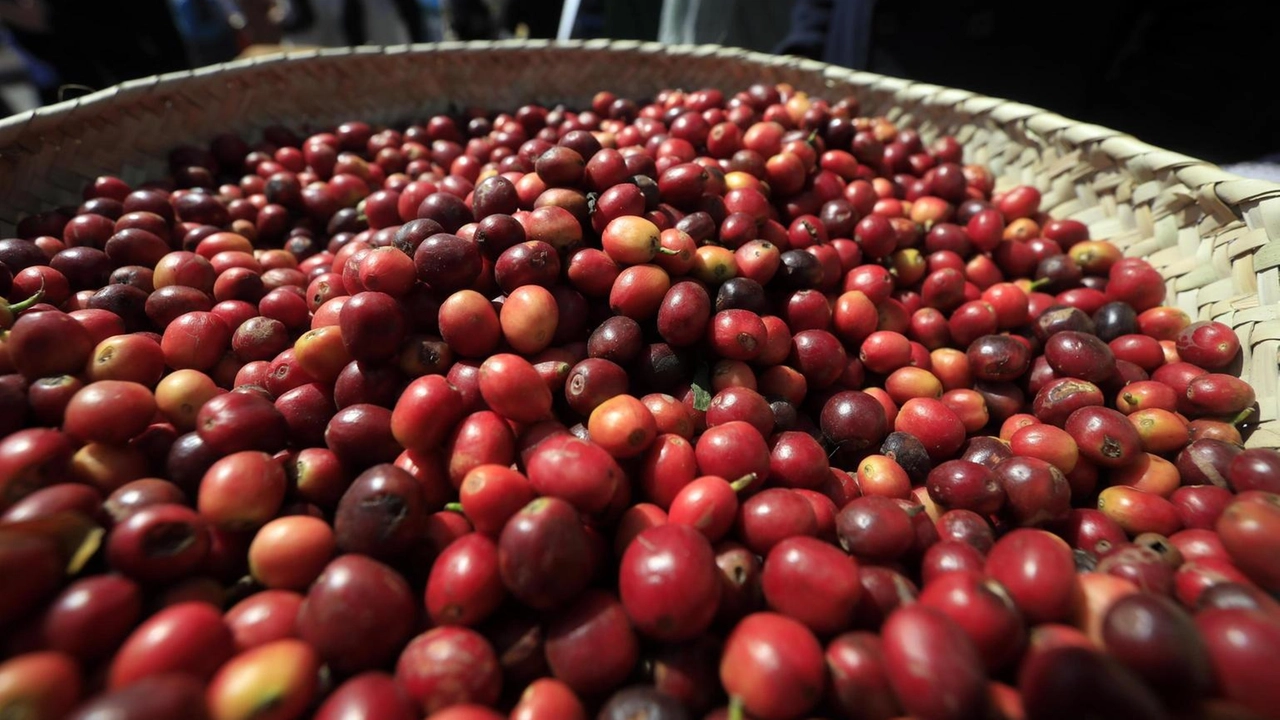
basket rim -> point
(1197, 175)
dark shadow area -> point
(1188, 76)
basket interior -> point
(1214, 236)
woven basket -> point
(1214, 236)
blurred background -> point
(1187, 76)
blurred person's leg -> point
(298, 16)
(833, 31)
(849, 37)
(589, 21)
(432, 20)
(376, 22)
(751, 24)
(18, 76)
(807, 35)
(43, 58)
(316, 22)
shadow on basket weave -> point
(1214, 236)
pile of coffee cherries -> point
(701, 406)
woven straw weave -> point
(1214, 236)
